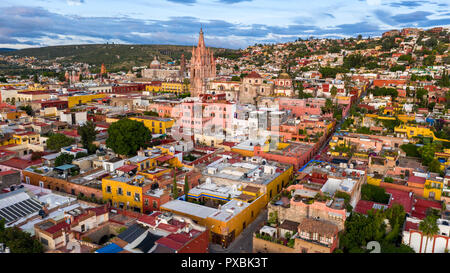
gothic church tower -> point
(202, 67)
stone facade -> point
(300, 211)
(253, 86)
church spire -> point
(201, 40)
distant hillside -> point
(7, 49)
(114, 56)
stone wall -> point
(263, 246)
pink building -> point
(300, 107)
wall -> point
(417, 241)
(263, 246)
(61, 185)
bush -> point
(374, 193)
(389, 179)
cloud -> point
(408, 4)
(411, 17)
(75, 2)
(38, 26)
(233, 1)
(185, 2)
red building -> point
(129, 88)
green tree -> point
(333, 91)
(434, 166)
(18, 241)
(63, 159)
(151, 113)
(174, 185)
(429, 228)
(36, 78)
(427, 152)
(88, 133)
(429, 60)
(235, 78)
(57, 141)
(126, 137)
(186, 187)
(27, 109)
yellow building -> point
(125, 192)
(241, 197)
(416, 131)
(79, 99)
(433, 189)
(156, 125)
(153, 88)
(15, 115)
(175, 87)
(26, 138)
(226, 223)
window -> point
(146, 202)
(128, 193)
(137, 197)
(108, 189)
(27, 179)
(315, 236)
(155, 205)
(44, 241)
(119, 191)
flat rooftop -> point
(244, 171)
(189, 208)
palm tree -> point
(429, 228)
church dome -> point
(155, 64)
(284, 76)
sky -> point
(226, 23)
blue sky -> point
(226, 23)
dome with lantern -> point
(155, 64)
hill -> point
(7, 49)
(114, 56)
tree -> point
(427, 153)
(186, 187)
(235, 78)
(28, 110)
(126, 137)
(18, 241)
(57, 141)
(63, 159)
(429, 228)
(434, 166)
(151, 113)
(174, 185)
(88, 133)
(333, 91)
(36, 78)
